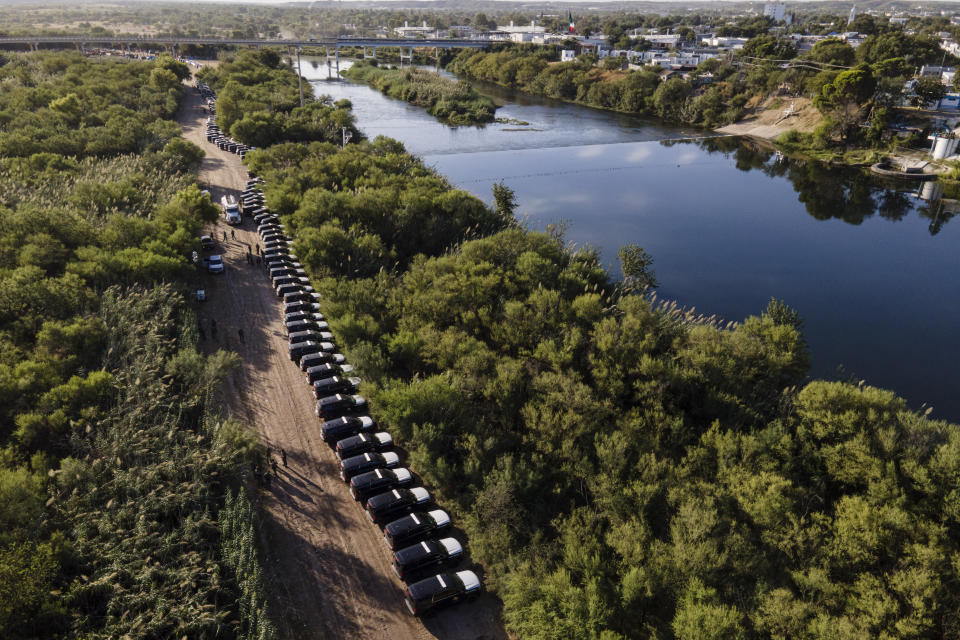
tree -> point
(844, 99)
(916, 50)
(833, 52)
(69, 107)
(927, 91)
(164, 79)
(701, 615)
(637, 266)
(179, 69)
(769, 47)
(670, 98)
(505, 198)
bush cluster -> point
(448, 100)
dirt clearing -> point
(327, 568)
(776, 116)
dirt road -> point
(327, 567)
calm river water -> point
(873, 271)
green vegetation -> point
(448, 100)
(112, 468)
(52, 103)
(258, 102)
(623, 468)
(535, 70)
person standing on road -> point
(224, 236)
(240, 333)
(213, 328)
(273, 465)
(233, 234)
(283, 454)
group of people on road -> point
(263, 477)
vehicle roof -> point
(420, 494)
(417, 551)
(429, 586)
(390, 457)
(383, 436)
(369, 476)
(439, 516)
(469, 579)
(452, 546)
(366, 421)
(402, 474)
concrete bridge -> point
(34, 41)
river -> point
(872, 268)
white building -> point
(406, 31)
(658, 41)
(567, 55)
(775, 10)
(945, 74)
(531, 28)
(723, 42)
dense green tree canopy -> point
(110, 471)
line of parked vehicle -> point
(214, 134)
(418, 535)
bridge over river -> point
(34, 41)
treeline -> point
(448, 100)
(258, 102)
(849, 86)
(536, 70)
(623, 467)
(112, 467)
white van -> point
(231, 211)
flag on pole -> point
(570, 16)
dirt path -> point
(327, 567)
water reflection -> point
(833, 192)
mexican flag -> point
(570, 17)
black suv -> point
(377, 481)
(339, 405)
(412, 562)
(335, 430)
(414, 527)
(355, 445)
(441, 589)
(384, 507)
(328, 370)
(321, 357)
(355, 465)
(336, 384)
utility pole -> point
(299, 76)
(346, 136)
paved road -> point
(328, 569)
